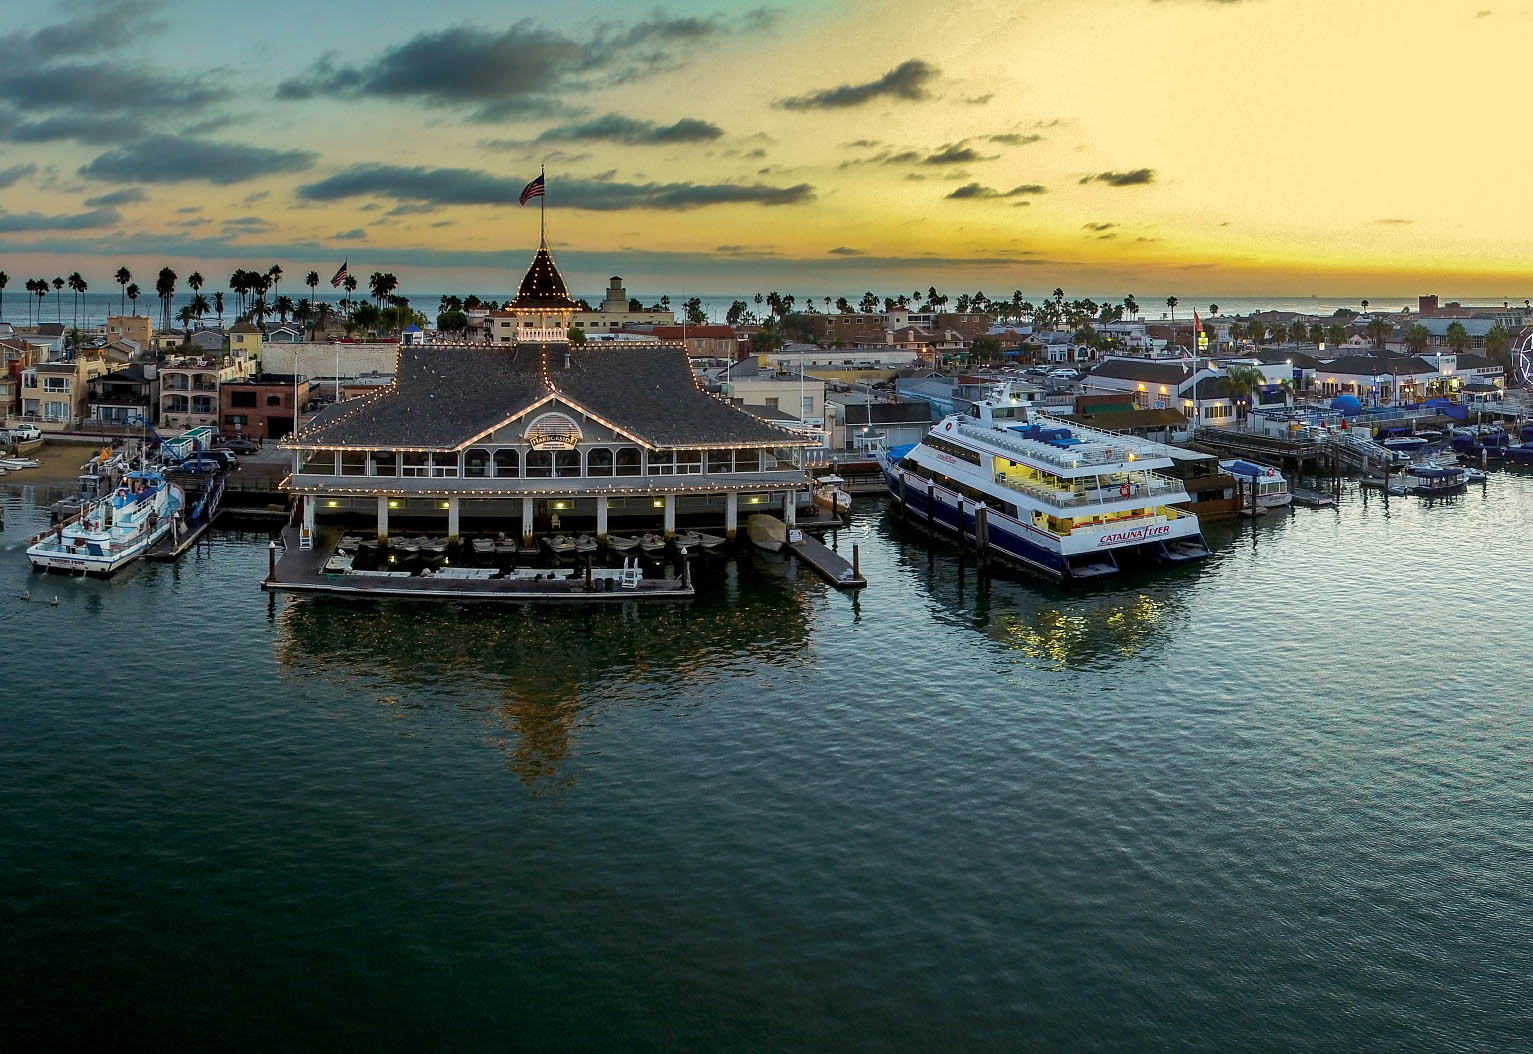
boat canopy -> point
(1436, 472)
(1247, 468)
(895, 453)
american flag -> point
(340, 276)
(532, 190)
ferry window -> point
(507, 463)
(567, 463)
(628, 461)
(662, 462)
(689, 462)
(540, 464)
(476, 463)
(747, 460)
(385, 463)
(353, 462)
(599, 461)
(718, 461)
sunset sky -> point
(1335, 147)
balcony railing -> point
(1156, 486)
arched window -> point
(628, 461)
(567, 463)
(540, 464)
(507, 463)
(274, 400)
(599, 461)
(476, 462)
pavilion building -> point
(541, 434)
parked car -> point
(25, 433)
(1064, 373)
(238, 445)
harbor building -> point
(534, 433)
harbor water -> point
(1282, 799)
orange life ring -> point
(1125, 490)
(1272, 472)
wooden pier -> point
(831, 565)
(172, 545)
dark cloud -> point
(103, 27)
(521, 71)
(1013, 139)
(125, 196)
(106, 88)
(173, 159)
(974, 191)
(955, 154)
(412, 209)
(188, 209)
(353, 235)
(17, 222)
(84, 127)
(616, 128)
(1098, 227)
(1134, 178)
(246, 221)
(979, 100)
(862, 144)
(15, 172)
(1393, 221)
(460, 186)
(906, 81)
(195, 221)
(842, 250)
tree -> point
(274, 275)
(323, 311)
(1417, 338)
(985, 348)
(767, 340)
(312, 281)
(577, 336)
(1335, 334)
(165, 288)
(1378, 330)
(40, 288)
(843, 305)
(218, 306)
(868, 304)
(58, 287)
(1365, 307)
(123, 277)
(453, 320)
(1213, 309)
(283, 306)
(132, 293)
(737, 313)
(635, 305)
(76, 286)
(1458, 338)
(382, 283)
(1131, 306)
(349, 283)
(692, 311)
(1498, 343)
(4, 281)
(1316, 333)
(1244, 382)
(199, 305)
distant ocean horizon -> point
(94, 307)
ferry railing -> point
(1031, 448)
(1155, 486)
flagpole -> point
(542, 199)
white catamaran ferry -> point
(112, 531)
(1069, 501)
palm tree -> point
(1458, 337)
(4, 281)
(322, 313)
(274, 273)
(1365, 307)
(349, 283)
(1244, 382)
(132, 294)
(382, 284)
(123, 277)
(1171, 303)
(1497, 342)
(40, 288)
(1417, 338)
(1131, 306)
(259, 308)
(218, 306)
(77, 286)
(312, 281)
(199, 305)
(283, 306)
(165, 288)
(58, 287)
(1213, 309)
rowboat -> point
(585, 544)
(559, 545)
(651, 544)
(619, 544)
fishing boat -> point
(621, 544)
(829, 495)
(585, 545)
(505, 546)
(1271, 487)
(1059, 498)
(112, 531)
(766, 532)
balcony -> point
(1154, 486)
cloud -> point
(979, 100)
(842, 250)
(187, 209)
(106, 25)
(617, 128)
(125, 196)
(84, 127)
(106, 88)
(460, 186)
(246, 221)
(411, 209)
(1098, 227)
(1393, 221)
(862, 144)
(906, 81)
(976, 191)
(355, 234)
(15, 172)
(1013, 139)
(174, 159)
(955, 154)
(523, 70)
(1136, 177)
(16, 222)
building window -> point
(747, 460)
(56, 384)
(414, 463)
(236, 419)
(718, 461)
(540, 464)
(567, 463)
(806, 407)
(274, 400)
(771, 402)
(599, 461)
(353, 462)
(476, 463)
(508, 464)
(662, 462)
(385, 463)
(689, 462)
(317, 463)
(242, 398)
(628, 460)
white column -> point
(601, 518)
(670, 515)
(452, 519)
(790, 508)
(526, 521)
(309, 502)
(731, 515)
(383, 518)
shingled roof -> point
(444, 397)
(543, 285)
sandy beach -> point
(60, 463)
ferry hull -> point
(1090, 556)
(50, 556)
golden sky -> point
(1337, 147)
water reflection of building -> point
(537, 676)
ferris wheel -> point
(1525, 360)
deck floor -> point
(304, 572)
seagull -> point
(54, 602)
(26, 594)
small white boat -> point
(432, 545)
(651, 544)
(559, 545)
(112, 531)
(585, 544)
(505, 546)
(408, 546)
(16, 464)
(688, 540)
(828, 493)
(620, 544)
(483, 546)
(710, 541)
(766, 532)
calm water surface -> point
(1278, 801)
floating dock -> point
(1314, 499)
(831, 565)
(295, 570)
